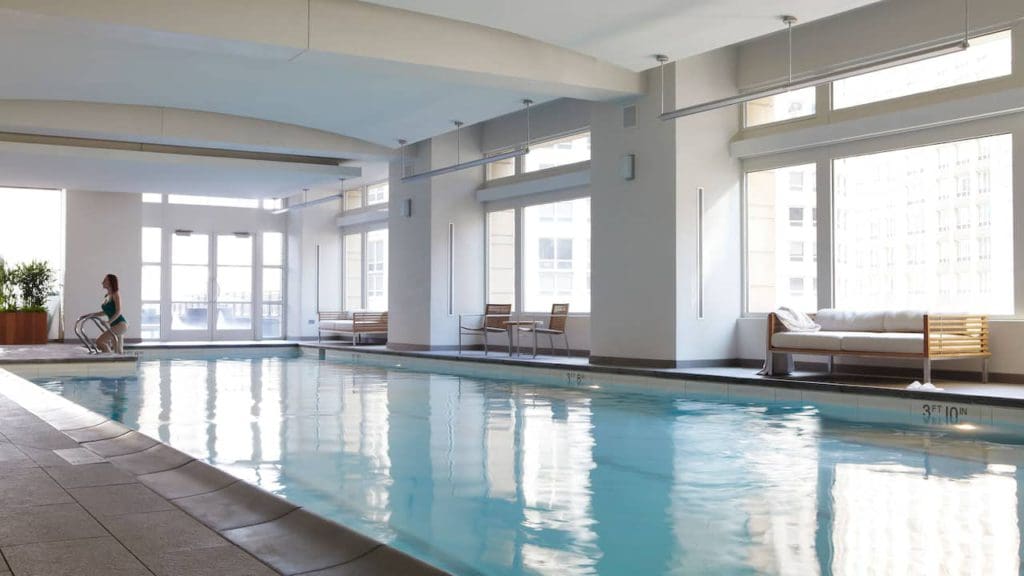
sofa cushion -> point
(886, 342)
(336, 325)
(834, 320)
(807, 340)
(904, 321)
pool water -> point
(484, 476)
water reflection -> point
(492, 477)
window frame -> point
(519, 206)
(363, 231)
(520, 169)
(822, 156)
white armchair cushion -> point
(807, 340)
(336, 325)
(886, 342)
(904, 321)
(834, 320)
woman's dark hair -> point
(112, 280)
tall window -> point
(352, 245)
(273, 285)
(501, 257)
(781, 234)
(988, 56)
(785, 106)
(377, 270)
(365, 270)
(966, 266)
(555, 249)
(190, 281)
(152, 244)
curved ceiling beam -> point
(288, 29)
(176, 127)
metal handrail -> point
(89, 344)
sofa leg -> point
(927, 371)
(984, 370)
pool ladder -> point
(89, 343)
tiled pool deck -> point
(80, 494)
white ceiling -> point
(45, 57)
(629, 33)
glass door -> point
(211, 287)
(233, 287)
(190, 286)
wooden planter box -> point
(23, 328)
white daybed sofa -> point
(894, 334)
(352, 324)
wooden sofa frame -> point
(370, 323)
(946, 336)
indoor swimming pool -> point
(488, 476)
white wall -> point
(104, 236)
(633, 247)
(409, 252)
(307, 229)
(702, 148)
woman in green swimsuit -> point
(111, 308)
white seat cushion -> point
(904, 321)
(807, 340)
(834, 320)
(886, 342)
(336, 325)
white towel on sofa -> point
(796, 321)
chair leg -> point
(485, 342)
(927, 371)
(534, 343)
(460, 341)
(984, 370)
(831, 364)
(566, 344)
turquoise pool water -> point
(483, 476)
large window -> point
(273, 285)
(501, 257)
(558, 152)
(987, 57)
(785, 106)
(377, 270)
(364, 196)
(543, 155)
(782, 239)
(928, 228)
(555, 266)
(152, 247)
(365, 270)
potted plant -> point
(25, 324)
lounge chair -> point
(493, 320)
(556, 325)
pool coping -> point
(285, 537)
(684, 374)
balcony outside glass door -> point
(233, 288)
(211, 287)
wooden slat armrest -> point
(332, 315)
(956, 335)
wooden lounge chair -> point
(493, 320)
(556, 325)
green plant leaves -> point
(26, 286)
